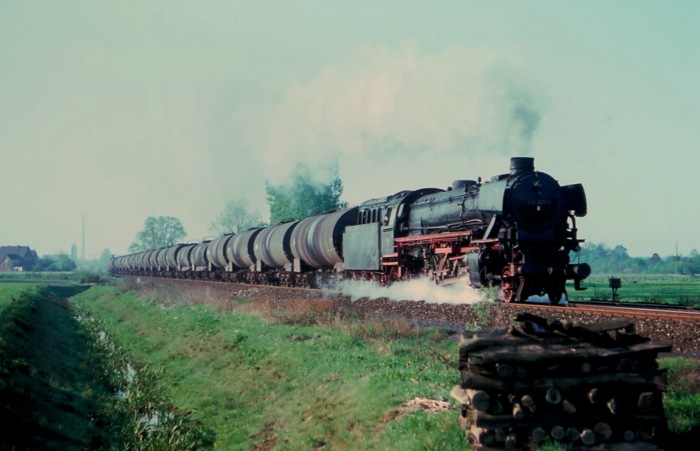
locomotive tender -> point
(515, 231)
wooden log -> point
(643, 434)
(500, 435)
(624, 366)
(560, 353)
(480, 400)
(628, 436)
(568, 406)
(518, 413)
(572, 434)
(511, 441)
(527, 401)
(586, 367)
(497, 407)
(655, 379)
(558, 433)
(521, 372)
(612, 406)
(613, 324)
(646, 400)
(470, 345)
(504, 371)
(594, 396)
(538, 435)
(487, 438)
(553, 396)
(587, 437)
(552, 418)
(603, 431)
(460, 394)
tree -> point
(235, 218)
(60, 262)
(304, 197)
(105, 258)
(161, 231)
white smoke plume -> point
(382, 102)
(422, 289)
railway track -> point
(593, 307)
(681, 327)
(633, 310)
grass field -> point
(656, 288)
(37, 276)
(199, 371)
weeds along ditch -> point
(64, 384)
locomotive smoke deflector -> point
(575, 198)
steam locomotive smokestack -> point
(521, 164)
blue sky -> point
(122, 110)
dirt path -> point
(50, 390)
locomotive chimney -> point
(521, 164)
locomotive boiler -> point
(515, 231)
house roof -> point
(22, 252)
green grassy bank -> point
(260, 384)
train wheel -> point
(554, 296)
(555, 293)
(508, 285)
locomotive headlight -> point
(577, 248)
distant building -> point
(12, 257)
(6, 264)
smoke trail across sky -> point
(385, 103)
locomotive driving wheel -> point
(508, 285)
(555, 292)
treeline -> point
(301, 198)
(63, 263)
(604, 259)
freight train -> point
(515, 231)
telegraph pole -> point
(83, 262)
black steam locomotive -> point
(515, 231)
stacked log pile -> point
(594, 387)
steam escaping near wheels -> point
(421, 289)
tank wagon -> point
(515, 231)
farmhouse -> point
(17, 257)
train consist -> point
(515, 231)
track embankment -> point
(683, 334)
